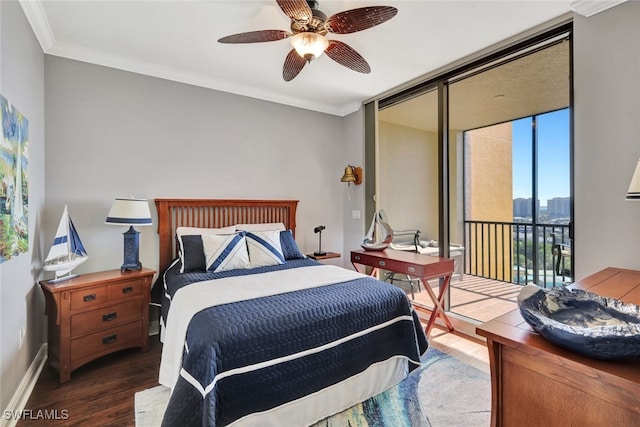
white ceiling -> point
(177, 40)
(529, 85)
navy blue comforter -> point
(219, 382)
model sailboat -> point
(379, 235)
(67, 251)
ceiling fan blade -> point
(298, 10)
(255, 37)
(345, 55)
(359, 19)
(293, 64)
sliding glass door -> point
(459, 157)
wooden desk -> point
(535, 383)
(423, 267)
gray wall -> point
(21, 301)
(112, 133)
(607, 138)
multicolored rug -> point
(443, 392)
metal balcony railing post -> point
(486, 246)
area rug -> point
(443, 392)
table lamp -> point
(318, 230)
(130, 212)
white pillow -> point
(264, 248)
(267, 226)
(189, 231)
(225, 252)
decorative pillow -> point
(264, 248)
(289, 246)
(191, 254)
(191, 248)
(225, 252)
(268, 226)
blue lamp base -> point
(131, 250)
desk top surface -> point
(403, 256)
(512, 330)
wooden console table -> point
(423, 267)
(536, 383)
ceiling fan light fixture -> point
(308, 29)
(309, 45)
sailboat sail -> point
(67, 251)
(370, 242)
(75, 245)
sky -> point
(553, 156)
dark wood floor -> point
(100, 393)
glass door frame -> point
(441, 83)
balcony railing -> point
(515, 252)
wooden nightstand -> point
(96, 314)
(328, 255)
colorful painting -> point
(14, 194)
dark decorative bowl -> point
(583, 322)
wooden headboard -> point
(214, 213)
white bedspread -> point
(191, 299)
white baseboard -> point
(22, 394)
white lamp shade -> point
(634, 188)
(129, 212)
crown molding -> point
(69, 51)
(37, 18)
(589, 8)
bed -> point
(271, 337)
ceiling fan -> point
(309, 26)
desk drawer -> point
(399, 267)
(383, 263)
(359, 258)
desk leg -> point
(374, 270)
(438, 308)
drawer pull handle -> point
(357, 257)
(110, 339)
(109, 316)
(411, 269)
(381, 263)
(127, 290)
(90, 297)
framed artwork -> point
(14, 189)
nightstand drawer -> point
(89, 297)
(91, 321)
(127, 289)
(103, 341)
